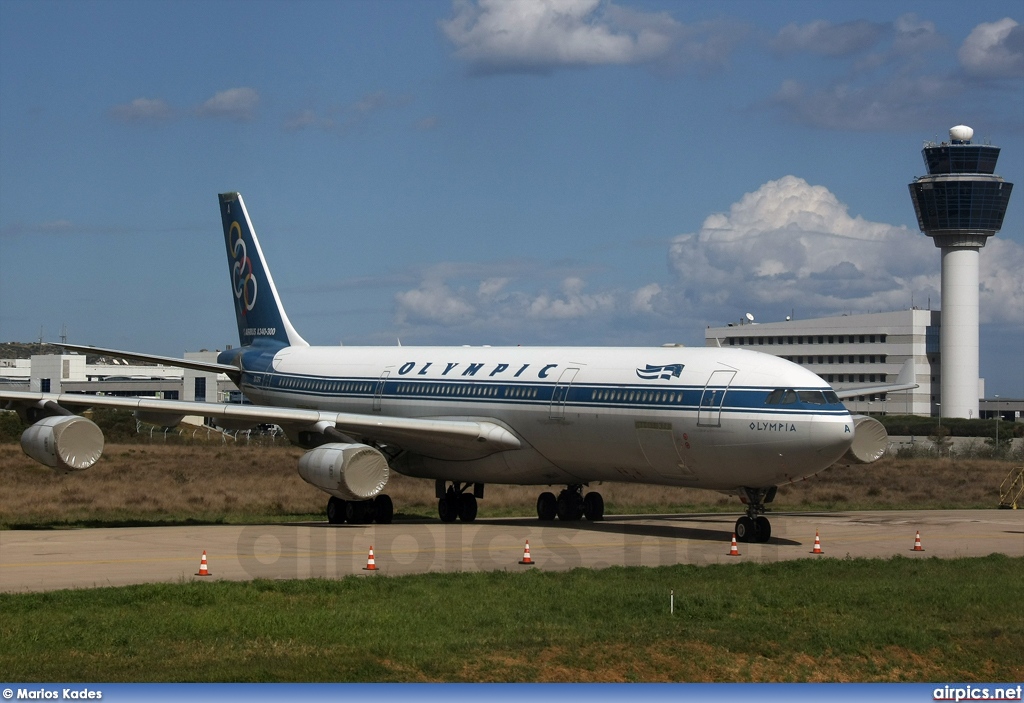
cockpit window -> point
(812, 397)
(788, 396)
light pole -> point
(997, 425)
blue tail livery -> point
(258, 308)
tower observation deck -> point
(960, 204)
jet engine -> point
(64, 442)
(346, 471)
(870, 441)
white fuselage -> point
(664, 415)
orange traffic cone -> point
(817, 544)
(734, 551)
(371, 565)
(917, 543)
(203, 569)
(526, 555)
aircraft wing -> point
(904, 382)
(209, 367)
(441, 438)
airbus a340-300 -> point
(730, 420)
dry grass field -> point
(156, 482)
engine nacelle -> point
(346, 471)
(64, 442)
(870, 440)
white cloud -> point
(793, 245)
(642, 300)
(142, 110)
(788, 245)
(1002, 283)
(238, 104)
(573, 303)
(994, 49)
(433, 302)
(540, 35)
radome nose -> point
(832, 435)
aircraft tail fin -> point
(258, 307)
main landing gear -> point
(454, 503)
(360, 512)
(570, 505)
(754, 526)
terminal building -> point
(70, 373)
(854, 350)
(859, 350)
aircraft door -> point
(661, 450)
(561, 391)
(709, 414)
(379, 393)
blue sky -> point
(561, 172)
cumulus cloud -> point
(994, 50)
(823, 38)
(142, 110)
(793, 245)
(433, 302)
(789, 245)
(238, 104)
(493, 301)
(539, 36)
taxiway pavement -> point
(42, 560)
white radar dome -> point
(961, 133)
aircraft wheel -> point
(593, 506)
(547, 506)
(467, 507)
(570, 506)
(447, 510)
(335, 511)
(745, 529)
(762, 528)
(384, 509)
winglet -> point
(258, 308)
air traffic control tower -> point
(960, 204)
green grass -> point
(836, 620)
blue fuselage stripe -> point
(647, 397)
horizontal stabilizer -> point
(205, 366)
(904, 382)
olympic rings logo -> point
(242, 279)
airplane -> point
(731, 420)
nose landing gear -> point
(754, 526)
